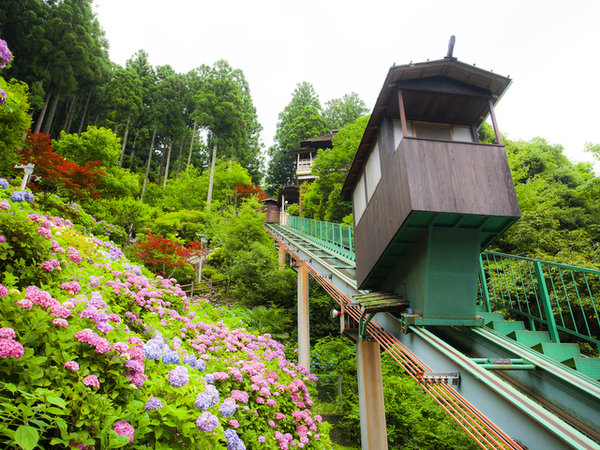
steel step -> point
(586, 366)
(558, 351)
(506, 327)
(491, 316)
(529, 338)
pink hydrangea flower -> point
(3, 291)
(4, 204)
(7, 333)
(123, 428)
(91, 380)
(72, 365)
(60, 322)
(234, 423)
(25, 304)
(74, 254)
(10, 348)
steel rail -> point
(468, 417)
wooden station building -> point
(307, 153)
(427, 196)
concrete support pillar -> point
(303, 326)
(281, 257)
(373, 433)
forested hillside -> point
(122, 178)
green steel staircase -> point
(565, 353)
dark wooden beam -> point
(402, 113)
(494, 123)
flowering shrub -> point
(104, 354)
(5, 54)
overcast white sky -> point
(549, 48)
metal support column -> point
(373, 432)
(303, 325)
(281, 257)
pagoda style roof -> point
(316, 143)
(445, 90)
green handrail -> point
(559, 298)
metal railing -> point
(554, 297)
(551, 296)
(338, 235)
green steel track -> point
(539, 404)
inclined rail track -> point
(482, 430)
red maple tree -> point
(53, 173)
(161, 255)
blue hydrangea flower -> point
(210, 378)
(207, 422)
(153, 404)
(202, 401)
(212, 393)
(231, 436)
(154, 348)
(3, 183)
(171, 357)
(18, 196)
(190, 360)
(227, 408)
(201, 365)
(179, 377)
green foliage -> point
(560, 205)
(413, 419)
(95, 144)
(225, 107)
(185, 224)
(322, 200)
(14, 122)
(340, 112)
(25, 249)
(130, 214)
(273, 320)
(119, 183)
(227, 177)
(301, 119)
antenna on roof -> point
(451, 48)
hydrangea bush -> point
(95, 352)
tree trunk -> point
(148, 165)
(191, 145)
(212, 175)
(70, 106)
(40, 119)
(133, 148)
(84, 113)
(161, 165)
(70, 122)
(50, 118)
(180, 156)
(167, 167)
(124, 141)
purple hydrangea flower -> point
(171, 357)
(190, 360)
(209, 378)
(207, 422)
(2, 102)
(179, 377)
(5, 54)
(201, 365)
(227, 408)
(153, 404)
(154, 349)
(202, 401)
(3, 181)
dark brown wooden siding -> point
(435, 176)
(272, 212)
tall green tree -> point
(340, 112)
(301, 119)
(224, 106)
(322, 200)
